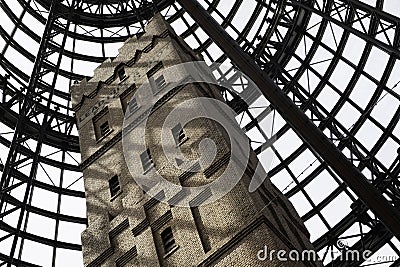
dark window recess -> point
(168, 240)
(101, 124)
(178, 133)
(146, 159)
(126, 97)
(160, 82)
(154, 69)
(110, 216)
(133, 105)
(114, 185)
(104, 128)
(121, 74)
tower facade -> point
(126, 226)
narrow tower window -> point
(160, 82)
(127, 97)
(133, 105)
(101, 123)
(168, 240)
(121, 74)
(104, 128)
(147, 161)
(178, 133)
(155, 69)
(114, 186)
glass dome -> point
(338, 60)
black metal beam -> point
(23, 234)
(52, 138)
(29, 107)
(357, 6)
(59, 190)
(84, 17)
(297, 119)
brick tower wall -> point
(126, 229)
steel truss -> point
(97, 12)
(383, 179)
(386, 180)
(36, 119)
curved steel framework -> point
(335, 59)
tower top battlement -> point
(129, 53)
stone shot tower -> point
(126, 226)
